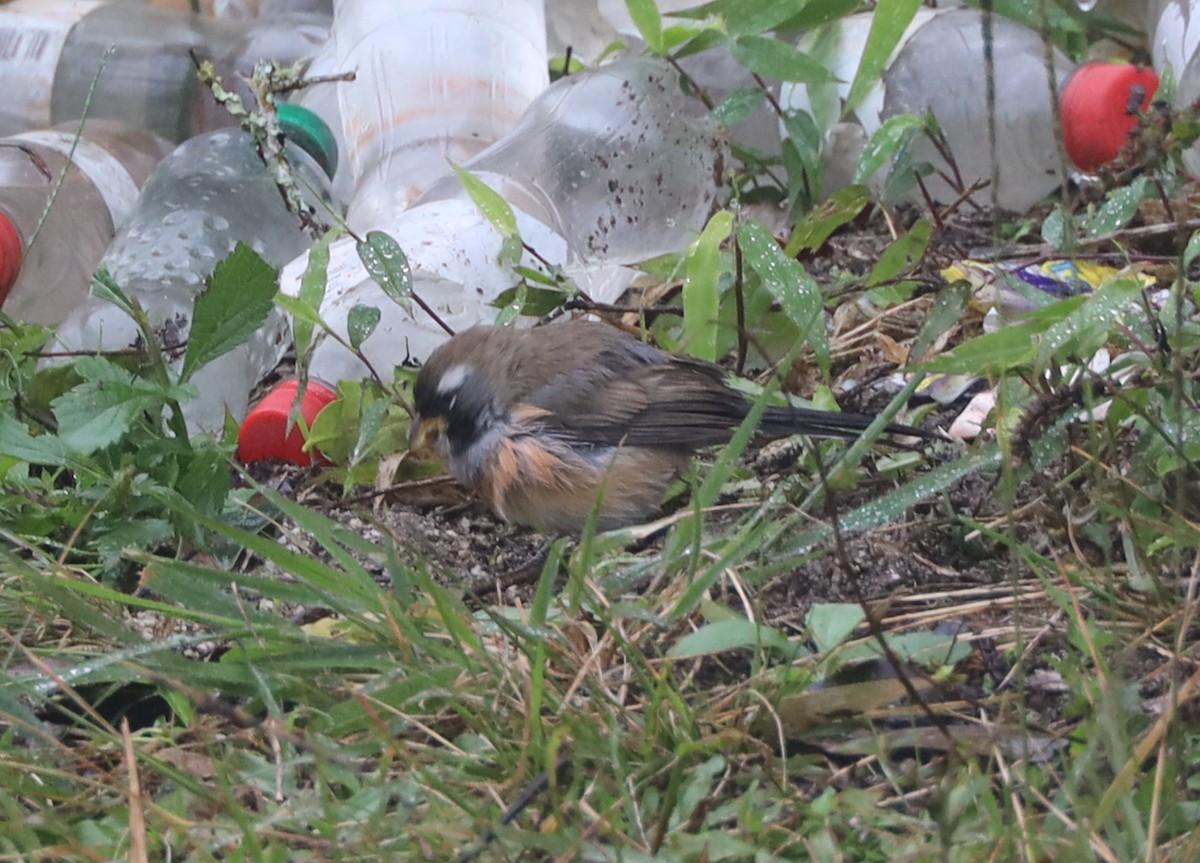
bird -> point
(555, 424)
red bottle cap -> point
(11, 250)
(264, 432)
(1099, 105)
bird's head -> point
(455, 399)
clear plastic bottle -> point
(101, 174)
(436, 80)
(714, 71)
(210, 193)
(1175, 49)
(51, 50)
(322, 100)
(608, 167)
(939, 66)
(241, 10)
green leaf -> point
(747, 17)
(1120, 206)
(649, 23)
(298, 309)
(818, 225)
(726, 635)
(101, 410)
(948, 309)
(815, 14)
(512, 310)
(312, 293)
(1192, 250)
(17, 443)
(894, 133)
(205, 477)
(361, 321)
(1054, 227)
(787, 281)
(104, 287)
(738, 106)
(778, 60)
(888, 23)
(1087, 328)
(989, 354)
(530, 300)
(372, 420)
(494, 208)
(237, 300)
(906, 251)
(388, 266)
(830, 624)
(701, 291)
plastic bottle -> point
(715, 71)
(322, 100)
(101, 173)
(436, 79)
(210, 193)
(608, 167)
(242, 10)
(1175, 49)
(939, 66)
(51, 50)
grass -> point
(981, 653)
(632, 705)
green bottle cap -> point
(309, 132)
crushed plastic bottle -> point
(51, 51)
(210, 193)
(48, 253)
(939, 66)
(436, 80)
(713, 71)
(608, 167)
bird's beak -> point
(424, 433)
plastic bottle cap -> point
(309, 132)
(264, 433)
(1099, 106)
(11, 251)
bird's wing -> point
(641, 400)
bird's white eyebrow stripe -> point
(453, 378)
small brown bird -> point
(551, 423)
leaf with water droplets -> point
(360, 323)
(1090, 323)
(888, 138)
(788, 282)
(510, 311)
(1119, 207)
(738, 106)
(388, 266)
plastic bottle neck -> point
(309, 132)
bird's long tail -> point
(783, 421)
